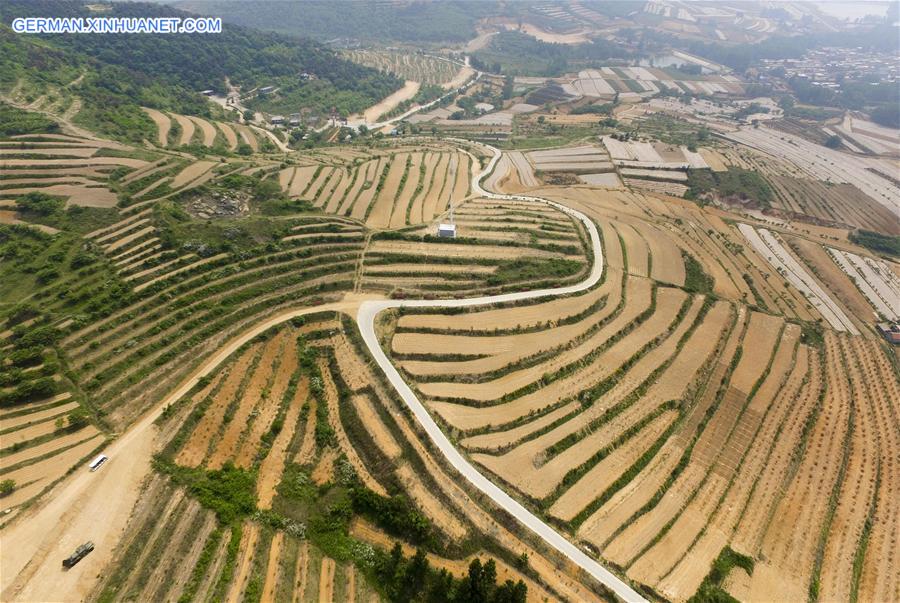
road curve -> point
(366, 319)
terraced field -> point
(297, 418)
(175, 130)
(839, 204)
(386, 190)
(415, 66)
(72, 168)
(662, 427)
(719, 395)
(501, 245)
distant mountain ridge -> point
(166, 71)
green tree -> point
(41, 204)
(7, 486)
(78, 418)
(833, 141)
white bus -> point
(97, 462)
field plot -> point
(839, 204)
(503, 244)
(392, 190)
(875, 280)
(206, 297)
(654, 167)
(835, 448)
(606, 180)
(574, 159)
(177, 546)
(43, 437)
(75, 169)
(606, 82)
(768, 246)
(878, 139)
(163, 125)
(525, 173)
(415, 66)
(820, 163)
(196, 129)
(662, 488)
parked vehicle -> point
(97, 462)
(79, 554)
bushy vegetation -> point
(15, 121)
(595, 109)
(413, 579)
(533, 269)
(39, 204)
(710, 590)
(736, 184)
(516, 53)
(446, 21)
(396, 514)
(670, 130)
(7, 487)
(696, 280)
(886, 115)
(229, 491)
(877, 242)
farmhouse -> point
(890, 331)
(447, 231)
(276, 120)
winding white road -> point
(368, 310)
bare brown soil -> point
(326, 580)
(271, 582)
(249, 537)
(272, 467)
(163, 124)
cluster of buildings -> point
(829, 67)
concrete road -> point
(366, 318)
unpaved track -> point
(405, 93)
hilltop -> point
(115, 74)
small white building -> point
(447, 231)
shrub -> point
(78, 418)
(40, 204)
(7, 486)
(877, 242)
